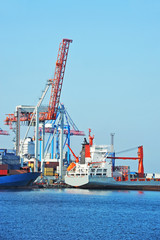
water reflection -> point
(87, 191)
(100, 192)
(140, 192)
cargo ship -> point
(96, 169)
(12, 175)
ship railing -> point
(98, 172)
(144, 179)
(79, 172)
(91, 172)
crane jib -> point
(56, 87)
(58, 79)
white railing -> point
(79, 172)
(90, 172)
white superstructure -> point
(92, 163)
(28, 147)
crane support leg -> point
(52, 149)
(42, 149)
(68, 152)
(36, 140)
(61, 144)
(18, 132)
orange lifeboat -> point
(71, 166)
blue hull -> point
(18, 180)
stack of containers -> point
(48, 171)
(50, 168)
(8, 162)
(11, 160)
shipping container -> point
(4, 167)
(3, 172)
(51, 164)
(48, 173)
(48, 169)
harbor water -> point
(79, 214)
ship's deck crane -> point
(90, 138)
(107, 155)
(139, 158)
(36, 114)
(76, 158)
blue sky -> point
(111, 82)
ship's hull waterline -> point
(18, 180)
(95, 182)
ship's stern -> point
(76, 181)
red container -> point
(4, 167)
(3, 172)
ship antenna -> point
(112, 142)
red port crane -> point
(56, 87)
(58, 79)
(139, 158)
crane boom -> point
(58, 79)
(56, 86)
(77, 159)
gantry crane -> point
(56, 86)
(32, 114)
(52, 127)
